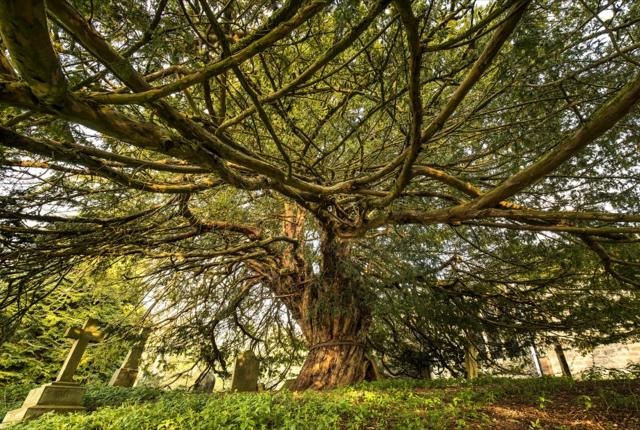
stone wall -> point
(614, 356)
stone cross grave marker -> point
(126, 375)
(64, 394)
(89, 333)
(246, 372)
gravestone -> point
(206, 384)
(564, 364)
(245, 372)
(126, 375)
(64, 394)
(546, 368)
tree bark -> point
(471, 360)
(330, 308)
(335, 318)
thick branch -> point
(602, 120)
(280, 31)
(472, 77)
(31, 49)
(67, 153)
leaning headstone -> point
(246, 372)
(206, 384)
(562, 359)
(126, 375)
(64, 394)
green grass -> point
(397, 404)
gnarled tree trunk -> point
(335, 319)
(330, 309)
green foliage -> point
(99, 396)
(618, 401)
(346, 117)
(387, 404)
(365, 406)
(597, 373)
(38, 348)
(542, 402)
(586, 401)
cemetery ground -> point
(484, 403)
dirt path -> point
(589, 405)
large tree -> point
(263, 158)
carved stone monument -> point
(245, 373)
(126, 375)
(64, 394)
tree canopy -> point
(342, 175)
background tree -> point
(38, 348)
(264, 147)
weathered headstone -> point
(564, 364)
(246, 372)
(471, 361)
(206, 383)
(64, 394)
(546, 368)
(126, 375)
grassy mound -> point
(552, 403)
